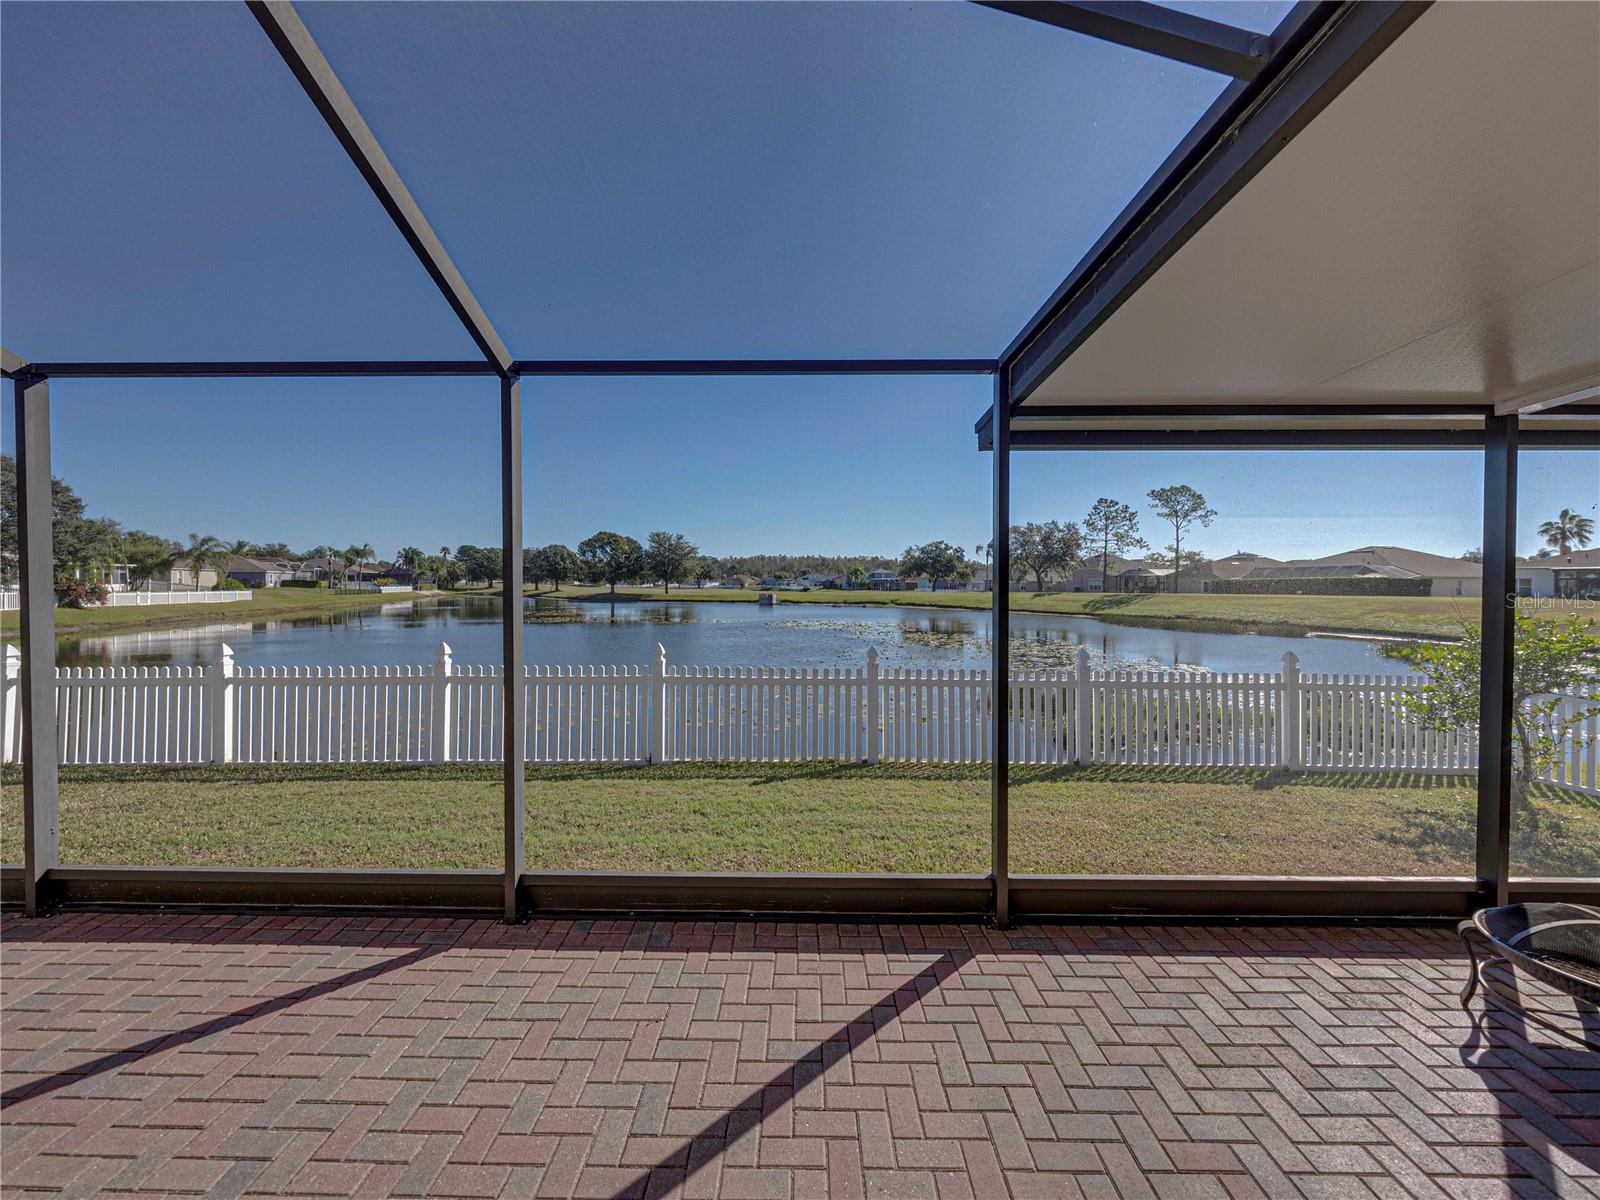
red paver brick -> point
(712, 1059)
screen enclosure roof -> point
(1429, 241)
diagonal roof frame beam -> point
(1209, 45)
(1318, 50)
(305, 59)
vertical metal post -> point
(1000, 653)
(1498, 662)
(512, 706)
(41, 791)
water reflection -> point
(724, 634)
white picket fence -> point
(11, 601)
(445, 713)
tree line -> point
(1108, 532)
(1040, 550)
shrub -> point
(231, 585)
(70, 593)
(383, 581)
(304, 583)
(1329, 585)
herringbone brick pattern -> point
(167, 1054)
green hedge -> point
(304, 583)
(1331, 585)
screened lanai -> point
(1286, 226)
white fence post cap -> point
(224, 652)
(1289, 660)
(1082, 658)
(443, 651)
(872, 654)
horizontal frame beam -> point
(1254, 410)
(293, 887)
(263, 370)
(758, 366)
(1566, 397)
(697, 894)
(299, 50)
(1167, 33)
(1264, 437)
(429, 368)
(1153, 897)
(1329, 48)
(713, 892)
(1246, 439)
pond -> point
(711, 634)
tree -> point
(1041, 549)
(349, 556)
(413, 560)
(201, 552)
(147, 556)
(856, 577)
(611, 558)
(937, 560)
(553, 563)
(77, 541)
(446, 573)
(1552, 658)
(1567, 530)
(1182, 507)
(1113, 528)
(1186, 560)
(1473, 555)
(667, 557)
(703, 569)
(480, 564)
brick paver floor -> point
(167, 1054)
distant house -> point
(881, 580)
(1087, 577)
(323, 568)
(819, 579)
(1240, 564)
(372, 572)
(1574, 576)
(1446, 576)
(182, 577)
(738, 581)
(981, 581)
(262, 572)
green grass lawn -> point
(797, 818)
(264, 604)
(1425, 616)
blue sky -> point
(666, 180)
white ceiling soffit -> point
(1432, 237)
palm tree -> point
(202, 552)
(1568, 529)
(349, 556)
(413, 560)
